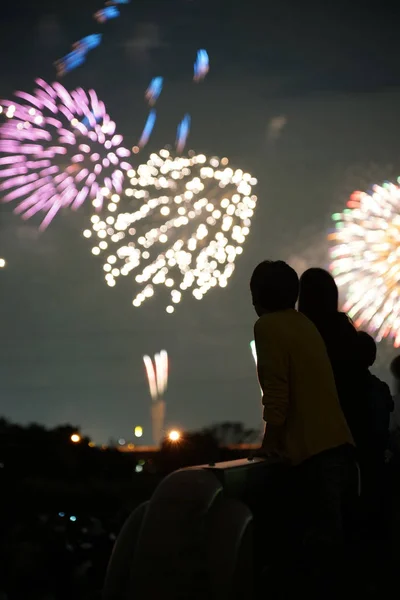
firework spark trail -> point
(151, 377)
(80, 49)
(182, 225)
(157, 376)
(201, 66)
(105, 14)
(71, 61)
(77, 57)
(366, 259)
(183, 133)
(154, 90)
(161, 361)
(148, 129)
(253, 351)
(60, 149)
(254, 355)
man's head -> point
(274, 286)
(367, 348)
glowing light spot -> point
(174, 436)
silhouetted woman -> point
(318, 300)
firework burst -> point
(182, 225)
(60, 149)
(366, 259)
(157, 377)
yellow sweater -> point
(299, 392)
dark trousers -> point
(309, 552)
(325, 487)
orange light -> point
(174, 436)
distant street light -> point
(138, 432)
(174, 436)
(75, 438)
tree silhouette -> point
(232, 433)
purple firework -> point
(60, 148)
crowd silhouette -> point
(337, 481)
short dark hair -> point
(367, 348)
(274, 285)
(395, 367)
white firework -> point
(181, 225)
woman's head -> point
(318, 293)
(395, 368)
(274, 286)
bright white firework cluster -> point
(184, 222)
(366, 259)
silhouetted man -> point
(304, 422)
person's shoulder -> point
(285, 323)
(344, 323)
(274, 321)
(383, 388)
(377, 381)
(265, 322)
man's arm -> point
(273, 374)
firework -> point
(105, 14)
(182, 225)
(157, 376)
(201, 66)
(90, 42)
(254, 355)
(71, 61)
(253, 351)
(148, 128)
(365, 259)
(182, 133)
(60, 148)
(77, 57)
(154, 90)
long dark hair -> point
(319, 295)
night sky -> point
(71, 347)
